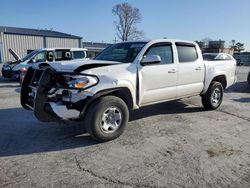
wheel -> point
(212, 99)
(106, 118)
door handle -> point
(172, 71)
(198, 68)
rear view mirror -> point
(151, 59)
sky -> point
(93, 19)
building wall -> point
(19, 43)
(61, 43)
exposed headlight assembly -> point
(82, 82)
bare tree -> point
(128, 18)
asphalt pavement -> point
(173, 144)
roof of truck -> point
(162, 40)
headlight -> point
(81, 82)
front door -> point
(158, 81)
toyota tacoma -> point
(125, 76)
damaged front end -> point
(55, 96)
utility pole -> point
(115, 41)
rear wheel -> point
(107, 118)
(212, 99)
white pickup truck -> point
(125, 76)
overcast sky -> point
(93, 19)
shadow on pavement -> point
(21, 133)
(7, 83)
(172, 107)
(243, 100)
(9, 86)
(18, 90)
(239, 87)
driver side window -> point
(164, 51)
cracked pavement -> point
(173, 144)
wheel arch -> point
(222, 79)
(217, 78)
(121, 92)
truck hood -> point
(14, 54)
(80, 65)
(16, 57)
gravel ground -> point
(173, 144)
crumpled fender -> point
(107, 83)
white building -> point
(23, 40)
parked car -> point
(217, 56)
(124, 76)
(13, 70)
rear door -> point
(158, 81)
(191, 70)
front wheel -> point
(212, 99)
(107, 118)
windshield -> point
(122, 52)
(29, 55)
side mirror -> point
(150, 59)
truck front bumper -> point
(38, 85)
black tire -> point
(95, 113)
(208, 98)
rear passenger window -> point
(164, 51)
(186, 53)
